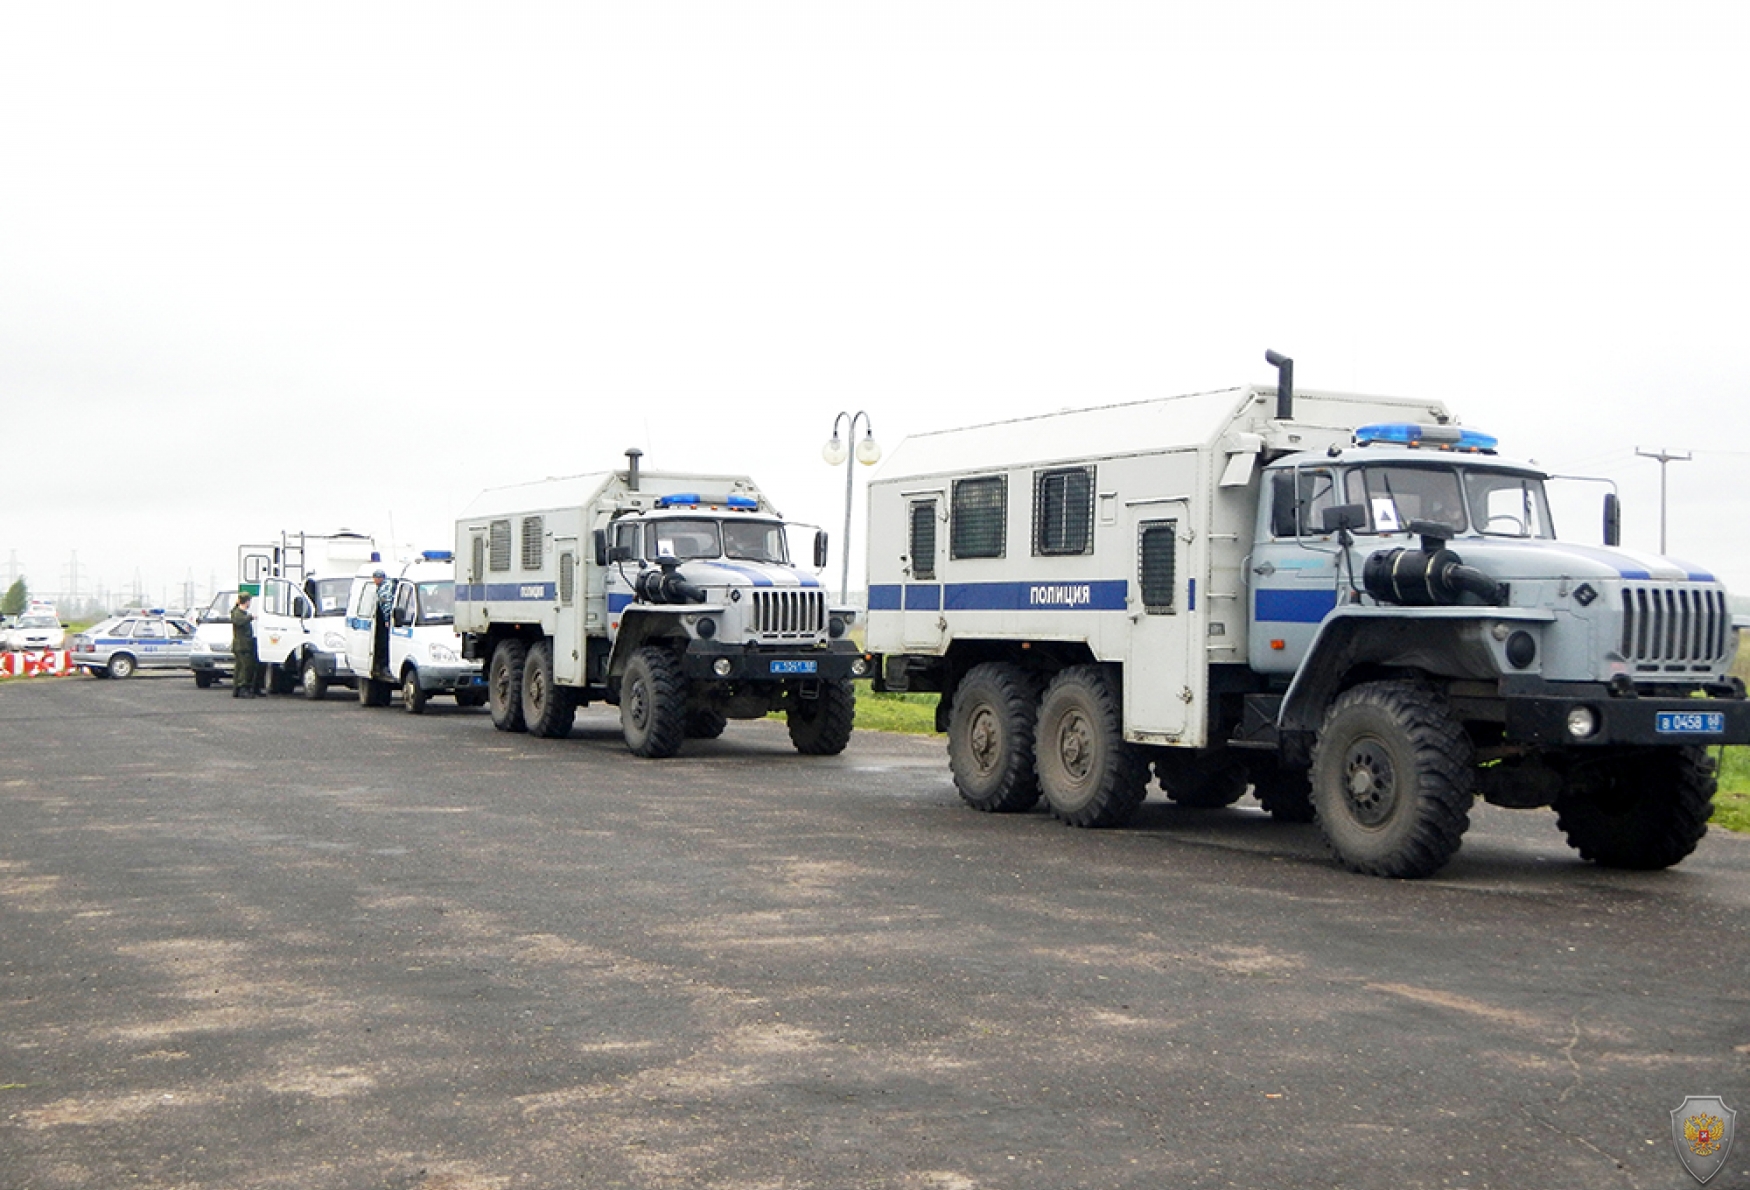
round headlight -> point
(721, 667)
(859, 668)
(1521, 649)
(707, 628)
(1582, 722)
(835, 627)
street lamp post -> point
(836, 452)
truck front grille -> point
(789, 615)
(1668, 627)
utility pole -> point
(1663, 458)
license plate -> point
(795, 667)
(1690, 723)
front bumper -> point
(1540, 713)
(707, 661)
(213, 663)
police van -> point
(414, 647)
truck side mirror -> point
(600, 538)
(1343, 516)
(819, 548)
(620, 553)
(1612, 519)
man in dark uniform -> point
(244, 663)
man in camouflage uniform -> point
(244, 663)
(380, 627)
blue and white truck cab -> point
(401, 634)
(1351, 605)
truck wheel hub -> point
(983, 738)
(1370, 785)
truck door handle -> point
(1267, 569)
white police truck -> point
(1349, 604)
(672, 596)
(414, 648)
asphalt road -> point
(276, 943)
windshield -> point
(1503, 504)
(38, 621)
(437, 602)
(329, 595)
(219, 610)
(682, 538)
(755, 541)
(1395, 495)
(1493, 503)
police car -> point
(116, 647)
(36, 630)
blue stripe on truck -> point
(1294, 607)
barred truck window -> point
(922, 546)
(477, 559)
(498, 545)
(533, 528)
(1157, 547)
(567, 578)
(1063, 511)
(980, 517)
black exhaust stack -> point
(633, 454)
(1284, 383)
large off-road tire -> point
(1286, 793)
(705, 723)
(413, 695)
(653, 703)
(990, 738)
(504, 685)
(1206, 782)
(315, 685)
(374, 692)
(203, 679)
(1392, 780)
(822, 726)
(1641, 810)
(549, 709)
(1088, 774)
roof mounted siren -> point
(1284, 383)
(633, 454)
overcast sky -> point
(270, 268)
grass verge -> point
(1732, 802)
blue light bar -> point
(678, 498)
(744, 503)
(1403, 433)
(438, 556)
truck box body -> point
(1180, 472)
